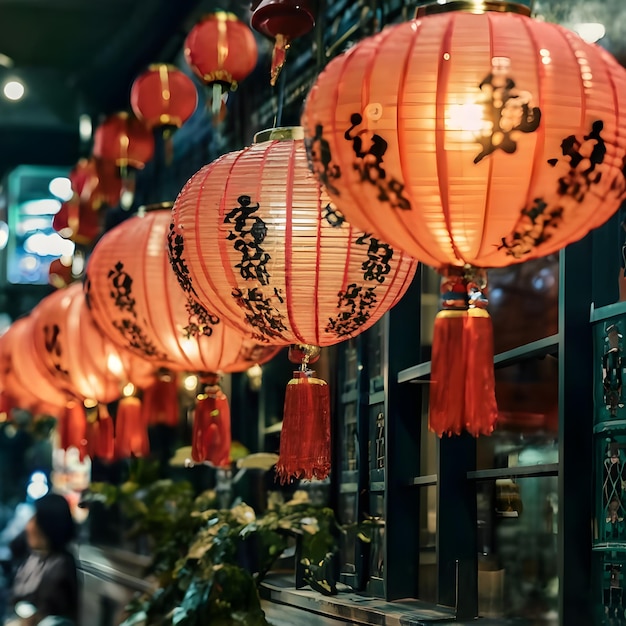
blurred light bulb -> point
(13, 90)
(190, 382)
(61, 187)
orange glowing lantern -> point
(136, 301)
(62, 329)
(222, 51)
(257, 239)
(283, 21)
(470, 140)
(163, 96)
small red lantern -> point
(60, 273)
(283, 21)
(256, 238)
(222, 51)
(470, 139)
(163, 96)
(78, 221)
(96, 183)
(124, 140)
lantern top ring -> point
(473, 6)
(153, 67)
(284, 133)
(156, 206)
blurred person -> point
(45, 589)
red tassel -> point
(305, 436)
(447, 374)
(481, 410)
(131, 435)
(73, 429)
(463, 387)
(211, 438)
(160, 402)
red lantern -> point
(124, 140)
(137, 302)
(283, 21)
(84, 361)
(77, 221)
(96, 182)
(163, 96)
(60, 272)
(256, 238)
(470, 140)
(222, 51)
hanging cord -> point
(282, 79)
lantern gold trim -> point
(156, 206)
(284, 133)
(473, 6)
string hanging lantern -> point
(163, 96)
(62, 327)
(255, 237)
(283, 21)
(470, 139)
(221, 51)
(125, 141)
(78, 221)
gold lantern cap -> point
(472, 6)
(283, 133)
(156, 206)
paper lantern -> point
(222, 51)
(163, 96)
(470, 139)
(283, 21)
(85, 362)
(20, 392)
(255, 237)
(136, 301)
(124, 140)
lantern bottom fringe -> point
(462, 393)
(131, 435)
(160, 403)
(105, 442)
(211, 437)
(305, 437)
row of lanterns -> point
(464, 140)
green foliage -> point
(209, 562)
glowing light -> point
(13, 90)
(46, 206)
(4, 235)
(114, 365)
(37, 486)
(128, 390)
(61, 187)
(48, 245)
(589, 31)
(467, 117)
(85, 127)
(190, 382)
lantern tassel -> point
(131, 435)
(160, 401)
(447, 373)
(73, 429)
(104, 447)
(211, 438)
(216, 99)
(481, 410)
(463, 385)
(305, 436)
(279, 56)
